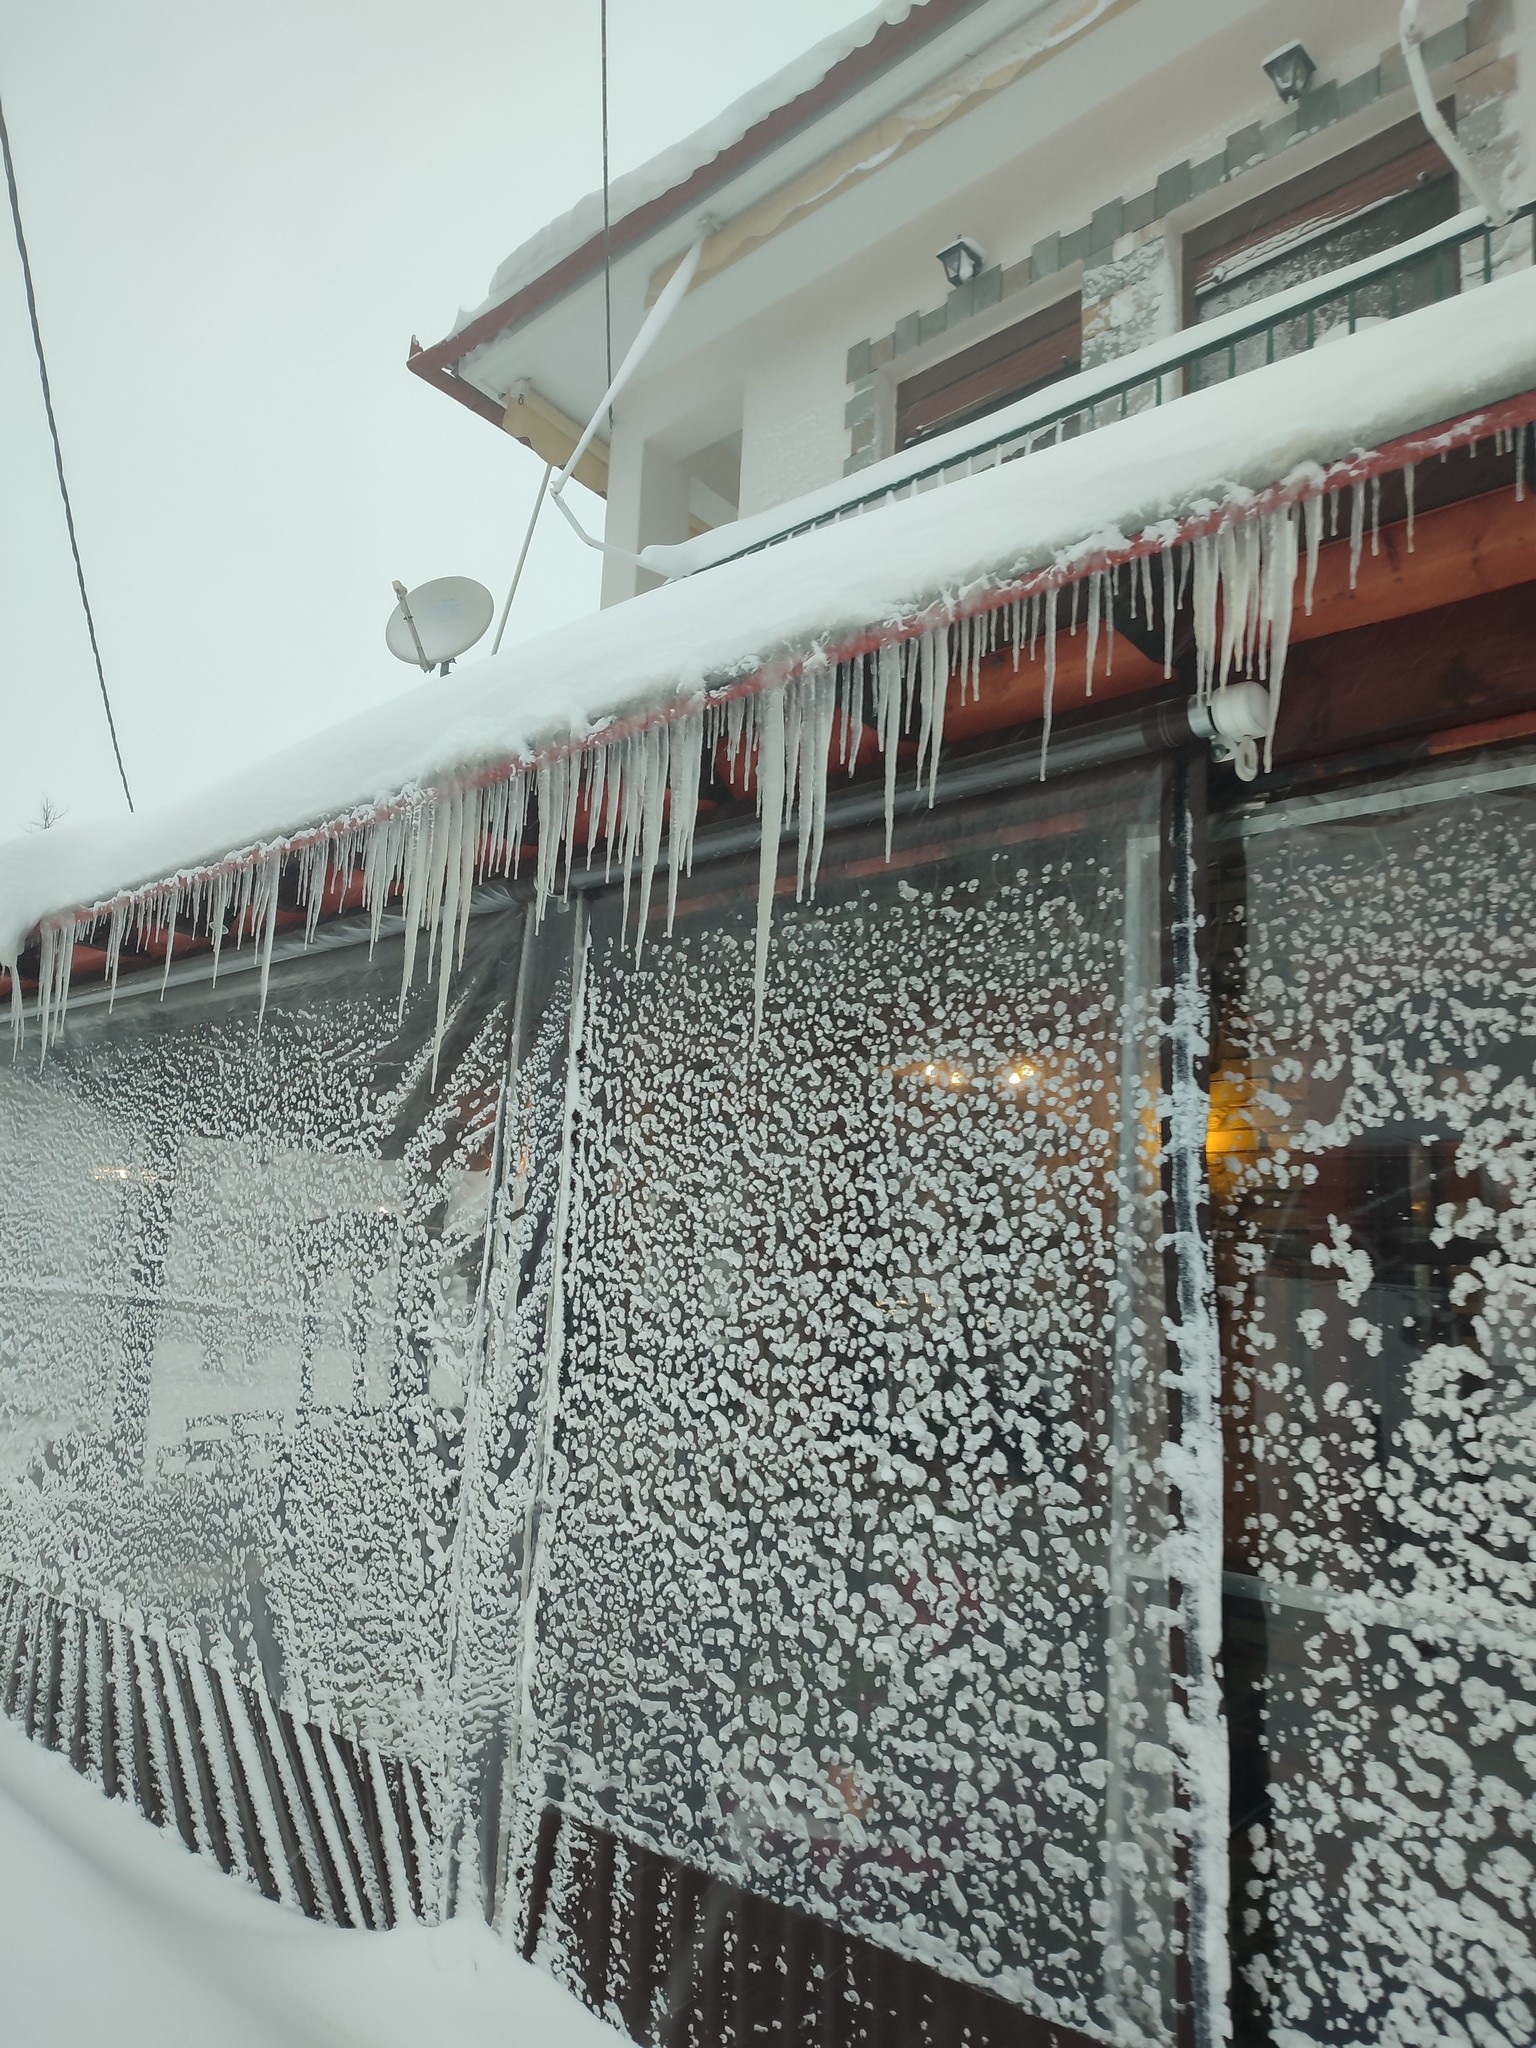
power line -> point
(602, 29)
(58, 452)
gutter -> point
(888, 46)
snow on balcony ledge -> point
(614, 711)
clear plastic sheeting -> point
(862, 1580)
(1374, 1162)
(241, 1291)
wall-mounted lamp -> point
(962, 260)
(1290, 72)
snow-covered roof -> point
(767, 617)
(538, 320)
(675, 165)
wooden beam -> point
(1016, 696)
(1459, 551)
(531, 419)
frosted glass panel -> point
(1374, 1158)
(239, 1283)
(853, 1590)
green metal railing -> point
(1432, 267)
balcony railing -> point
(1462, 254)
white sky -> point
(237, 217)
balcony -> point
(1454, 258)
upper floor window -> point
(991, 373)
(1360, 204)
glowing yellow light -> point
(957, 1080)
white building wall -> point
(843, 303)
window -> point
(992, 373)
(1367, 201)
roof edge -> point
(886, 47)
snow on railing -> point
(1457, 256)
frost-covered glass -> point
(855, 1587)
(1374, 1159)
(240, 1288)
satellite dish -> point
(436, 622)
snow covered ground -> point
(110, 1931)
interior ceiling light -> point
(1290, 71)
(963, 259)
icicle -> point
(684, 767)
(1356, 532)
(854, 712)
(1170, 608)
(1206, 580)
(469, 850)
(273, 868)
(551, 786)
(1279, 605)
(1375, 515)
(770, 783)
(1520, 433)
(172, 916)
(807, 749)
(1313, 512)
(888, 727)
(932, 680)
(1095, 602)
(1231, 577)
(453, 883)
(1050, 674)
(413, 857)
(656, 742)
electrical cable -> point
(602, 30)
(58, 452)
(549, 467)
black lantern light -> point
(1290, 72)
(962, 260)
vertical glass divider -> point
(542, 1498)
(1194, 1454)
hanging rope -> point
(58, 452)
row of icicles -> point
(638, 787)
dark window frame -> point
(1400, 160)
(1024, 357)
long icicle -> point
(770, 783)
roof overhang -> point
(872, 69)
(1244, 458)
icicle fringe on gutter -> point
(636, 784)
